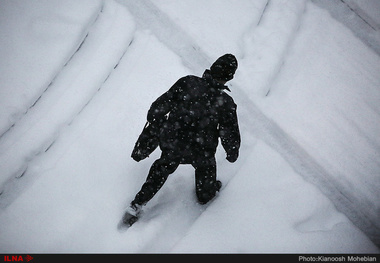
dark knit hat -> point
(224, 67)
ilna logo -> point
(26, 258)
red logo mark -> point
(27, 258)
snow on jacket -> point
(192, 115)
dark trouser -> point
(205, 178)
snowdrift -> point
(76, 81)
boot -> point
(131, 214)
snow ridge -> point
(266, 45)
(349, 13)
(62, 102)
(32, 86)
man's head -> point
(224, 68)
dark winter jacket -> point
(192, 115)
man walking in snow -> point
(187, 122)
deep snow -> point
(307, 92)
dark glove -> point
(137, 155)
(146, 143)
(232, 157)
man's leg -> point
(206, 184)
(157, 176)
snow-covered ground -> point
(76, 81)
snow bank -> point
(74, 86)
(71, 150)
(361, 17)
(37, 38)
(368, 10)
(328, 100)
(266, 46)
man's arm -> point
(229, 130)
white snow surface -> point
(76, 81)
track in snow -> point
(351, 15)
